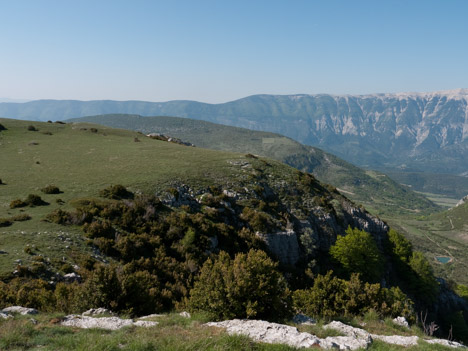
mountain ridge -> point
(410, 131)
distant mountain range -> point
(410, 131)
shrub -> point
(331, 297)
(98, 229)
(51, 189)
(2, 127)
(358, 253)
(249, 286)
(29, 250)
(21, 217)
(31, 128)
(5, 222)
(116, 192)
(35, 200)
(60, 217)
(17, 203)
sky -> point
(218, 51)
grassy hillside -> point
(80, 161)
(374, 190)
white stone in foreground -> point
(109, 323)
(397, 339)
(21, 310)
(271, 333)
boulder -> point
(397, 339)
(401, 321)
(185, 314)
(270, 333)
(20, 310)
(109, 323)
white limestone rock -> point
(20, 310)
(270, 333)
(397, 339)
(185, 314)
(5, 315)
(401, 321)
(109, 323)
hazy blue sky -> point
(216, 51)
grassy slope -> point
(172, 333)
(81, 163)
(374, 190)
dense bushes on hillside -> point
(202, 253)
(248, 286)
(331, 297)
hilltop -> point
(374, 190)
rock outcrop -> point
(20, 310)
(354, 338)
(109, 323)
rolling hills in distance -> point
(374, 190)
(425, 134)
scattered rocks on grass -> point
(355, 338)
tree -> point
(244, 287)
(358, 253)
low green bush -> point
(21, 217)
(35, 200)
(18, 203)
(5, 222)
(116, 192)
(51, 189)
(31, 128)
